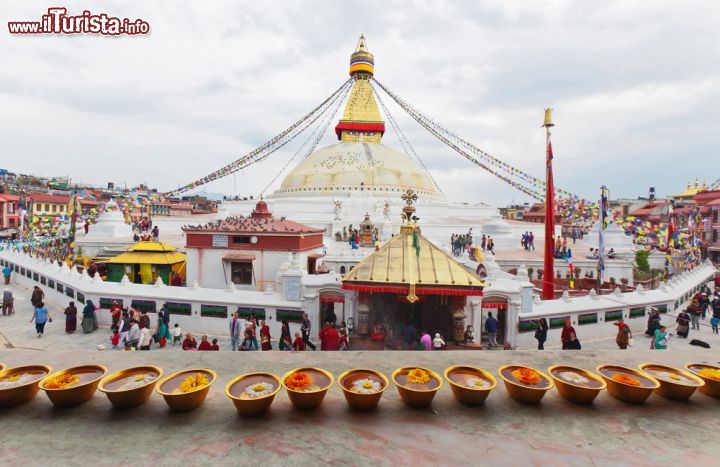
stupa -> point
(338, 184)
(109, 236)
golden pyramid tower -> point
(361, 121)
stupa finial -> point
(362, 62)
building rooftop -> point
(260, 220)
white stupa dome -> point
(351, 167)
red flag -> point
(548, 289)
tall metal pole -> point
(548, 289)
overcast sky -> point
(635, 87)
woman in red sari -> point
(265, 336)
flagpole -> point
(601, 235)
(548, 286)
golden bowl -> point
(466, 395)
(416, 397)
(257, 406)
(24, 392)
(185, 401)
(671, 389)
(307, 400)
(522, 393)
(360, 401)
(712, 386)
(126, 398)
(576, 392)
(626, 392)
(76, 394)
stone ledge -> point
(501, 432)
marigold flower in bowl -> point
(575, 384)
(470, 385)
(627, 384)
(362, 387)
(186, 389)
(131, 386)
(417, 386)
(306, 387)
(710, 375)
(525, 384)
(21, 384)
(73, 386)
(675, 384)
(253, 393)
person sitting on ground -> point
(298, 343)
(189, 343)
(660, 341)
(574, 343)
(145, 339)
(247, 341)
(215, 345)
(204, 344)
(134, 334)
(377, 334)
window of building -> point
(715, 217)
(241, 239)
(715, 236)
(241, 272)
(342, 269)
(47, 208)
(54, 208)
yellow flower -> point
(139, 378)
(62, 381)
(418, 376)
(711, 373)
(194, 382)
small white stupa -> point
(109, 236)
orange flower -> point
(418, 376)
(710, 373)
(526, 376)
(625, 379)
(62, 381)
(298, 381)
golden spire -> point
(361, 47)
(362, 62)
(361, 121)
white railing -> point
(200, 310)
(590, 314)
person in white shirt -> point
(177, 334)
(134, 334)
(438, 342)
(145, 339)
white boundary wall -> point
(592, 316)
(85, 288)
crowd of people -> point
(143, 230)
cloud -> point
(633, 85)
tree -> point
(641, 261)
(530, 272)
